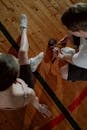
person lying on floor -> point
(16, 80)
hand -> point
(20, 81)
(55, 53)
(43, 109)
(56, 50)
(60, 56)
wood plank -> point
(44, 23)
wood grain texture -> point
(43, 23)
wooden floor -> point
(44, 23)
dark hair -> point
(52, 42)
(75, 17)
(9, 70)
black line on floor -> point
(47, 88)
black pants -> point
(76, 73)
(26, 75)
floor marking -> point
(54, 122)
(62, 108)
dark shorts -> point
(76, 73)
(26, 75)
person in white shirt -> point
(16, 81)
(75, 19)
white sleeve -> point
(42, 108)
(67, 51)
(80, 57)
(20, 88)
(75, 58)
(32, 98)
(29, 96)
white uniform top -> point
(17, 96)
(80, 58)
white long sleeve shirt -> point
(80, 58)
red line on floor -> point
(54, 122)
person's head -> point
(9, 70)
(75, 19)
(52, 43)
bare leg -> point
(24, 45)
(23, 51)
(25, 70)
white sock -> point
(23, 22)
(35, 61)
